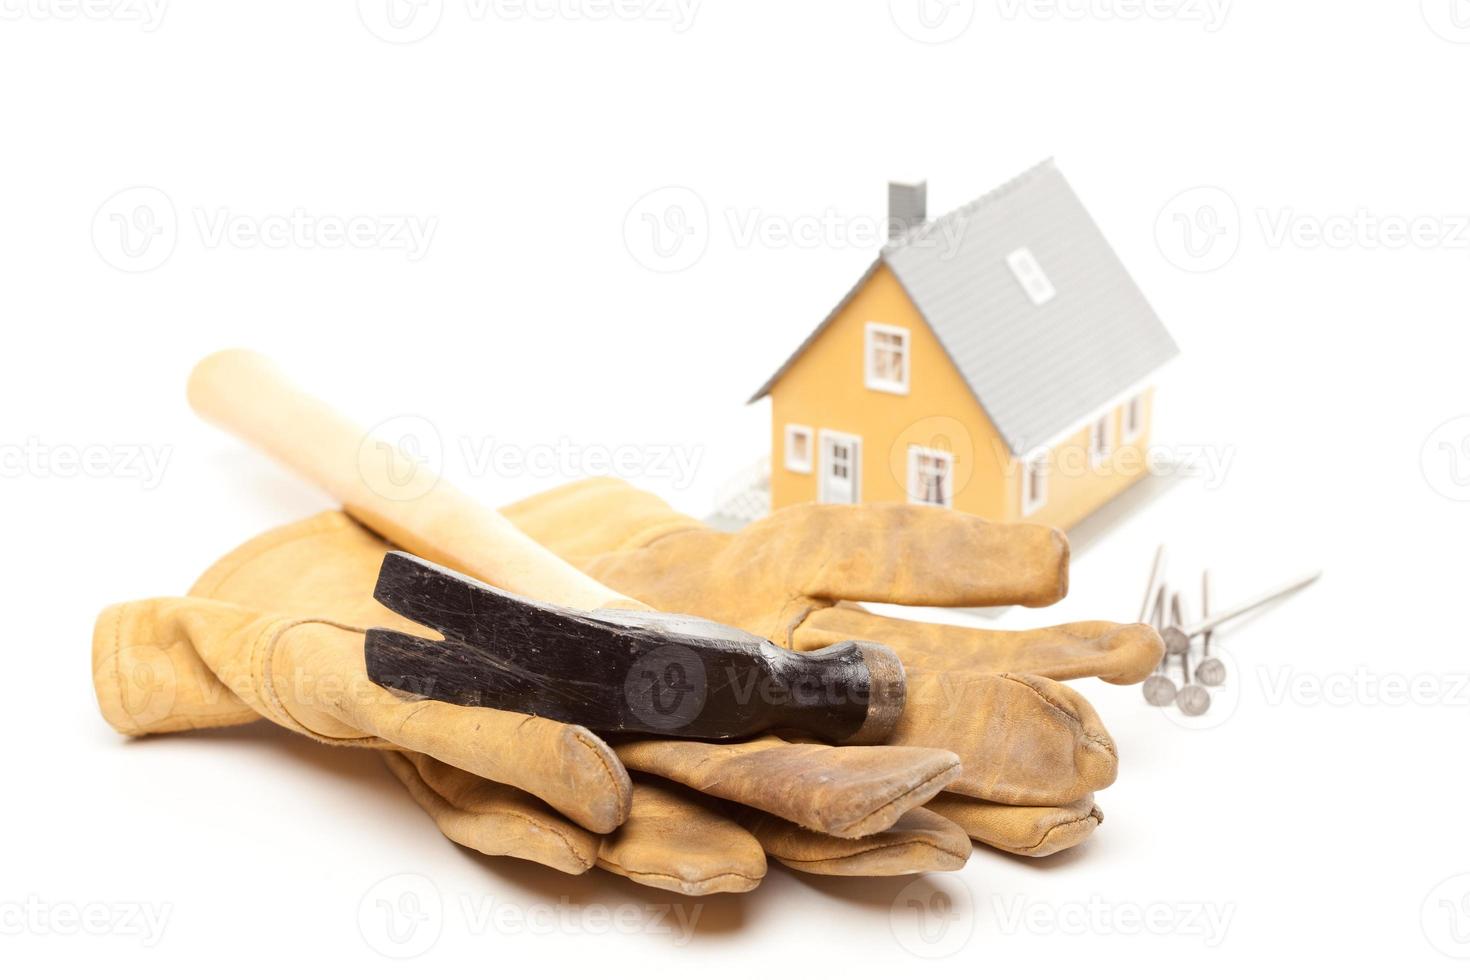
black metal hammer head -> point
(617, 671)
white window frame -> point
(800, 465)
(1031, 276)
(825, 438)
(1132, 432)
(1109, 427)
(874, 382)
(1028, 476)
(916, 455)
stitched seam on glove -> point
(648, 537)
(112, 698)
(813, 605)
(421, 785)
(943, 778)
(873, 850)
(1086, 734)
(614, 784)
(1045, 697)
(560, 835)
(1100, 742)
(1093, 815)
(263, 659)
(323, 523)
(616, 868)
(117, 660)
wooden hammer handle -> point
(398, 497)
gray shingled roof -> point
(1036, 370)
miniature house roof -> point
(1030, 302)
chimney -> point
(908, 206)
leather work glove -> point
(611, 523)
(275, 629)
(305, 672)
(282, 650)
(1032, 748)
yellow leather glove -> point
(278, 627)
(1033, 750)
(275, 629)
(605, 526)
(991, 696)
(794, 576)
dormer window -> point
(886, 359)
(1029, 274)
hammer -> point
(523, 630)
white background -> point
(1317, 826)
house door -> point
(842, 457)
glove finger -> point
(1031, 831)
(150, 680)
(919, 842)
(842, 791)
(672, 840)
(565, 765)
(493, 818)
(1022, 740)
(915, 556)
(1116, 653)
(309, 676)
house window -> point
(799, 448)
(886, 361)
(1029, 274)
(1133, 418)
(931, 477)
(1100, 437)
(1033, 484)
(842, 468)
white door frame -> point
(825, 494)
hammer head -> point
(622, 671)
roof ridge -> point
(995, 193)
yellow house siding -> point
(825, 389)
(1077, 484)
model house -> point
(998, 360)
